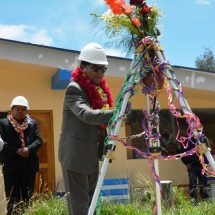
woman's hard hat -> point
(93, 53)
(21, 101)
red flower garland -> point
(95, 100)
(19, 128)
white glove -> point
(1, 144)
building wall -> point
(34, 82)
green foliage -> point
(142, 191)
(153, 21)
(121, 30)
(150, 21)
(114, 24)
(116, 27)
(206, 61)
(181, 205)
(47, 206)
(120, 209)
(203, 208)
(142, 203)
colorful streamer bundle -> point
(139, 21)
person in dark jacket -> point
(1, 144)
(86, 111)
(20, 162)
(194, 169)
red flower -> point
(136, 21)
(145, 9)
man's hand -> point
(24, 152)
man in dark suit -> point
(86, 111)
(20, 162)
(194, 169)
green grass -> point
(47, 206)
(181, 206)
(142, 202)
(203, 208)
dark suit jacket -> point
(12, 161)
(193, 160)
(78, 147)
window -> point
(168, 130)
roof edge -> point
(56, 48)
(76, 51)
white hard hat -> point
(93, 53)
(20, 100)
(1, 144)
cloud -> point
(25, 34)
(12, 31)
(42, 38)
(99, 2)
(204, 2)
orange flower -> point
(116, 6)
(136, 21)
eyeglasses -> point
(98, 68)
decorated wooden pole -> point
(154, 148)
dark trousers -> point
(19, 186)
(79, 190)
(195, 175)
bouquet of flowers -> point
(130, 22)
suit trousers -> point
(79, 190)
(19, 186)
